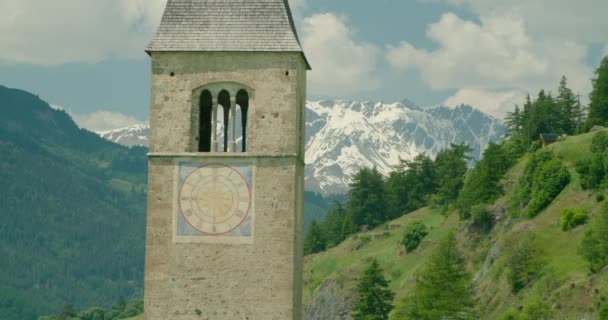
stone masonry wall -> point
(260, 280)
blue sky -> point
(87, 56)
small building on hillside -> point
(548, 138)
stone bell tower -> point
(226, 163)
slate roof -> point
(226, 25)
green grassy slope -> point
(345, 262)
(566, 282)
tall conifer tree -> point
(366, 200)
(333, 226)
(579, 115)
(598, 105)
(375, 298)
(443, 288)
(314, 240)
(526, 122)
(513, 121)
(567, 102)
(450, 168)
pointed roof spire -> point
(226, 25)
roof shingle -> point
(226, 25)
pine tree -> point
(542, 116)
(450, 167)
(552, 115)
(598, 105)
(366, 201)
(526, 123)
(443, 288)
(579, 115)
(375, 298)
(396, 191)
(567, 103)
(422, 171)
(333, 225)
(514, 121)
(314, 241)
(527, 106)
(415, 182)
(482, 184)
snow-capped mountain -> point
(343, 136)
(135, 135)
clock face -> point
(214, 199)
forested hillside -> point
(73, 204)
(516, 260)
(73, 212)
(521, 236)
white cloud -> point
(583, 21)
(496, 103)
(104, 120)
(495, 54)
(76, 31)
(341, 66)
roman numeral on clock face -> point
(188, 213)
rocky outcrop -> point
(329, 303)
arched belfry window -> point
(204, 123)
(223, 116)
(242, 100)
(223, 100)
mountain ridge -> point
(66, 194)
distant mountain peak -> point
(134, 127)
(345, 136)
(135, 135)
